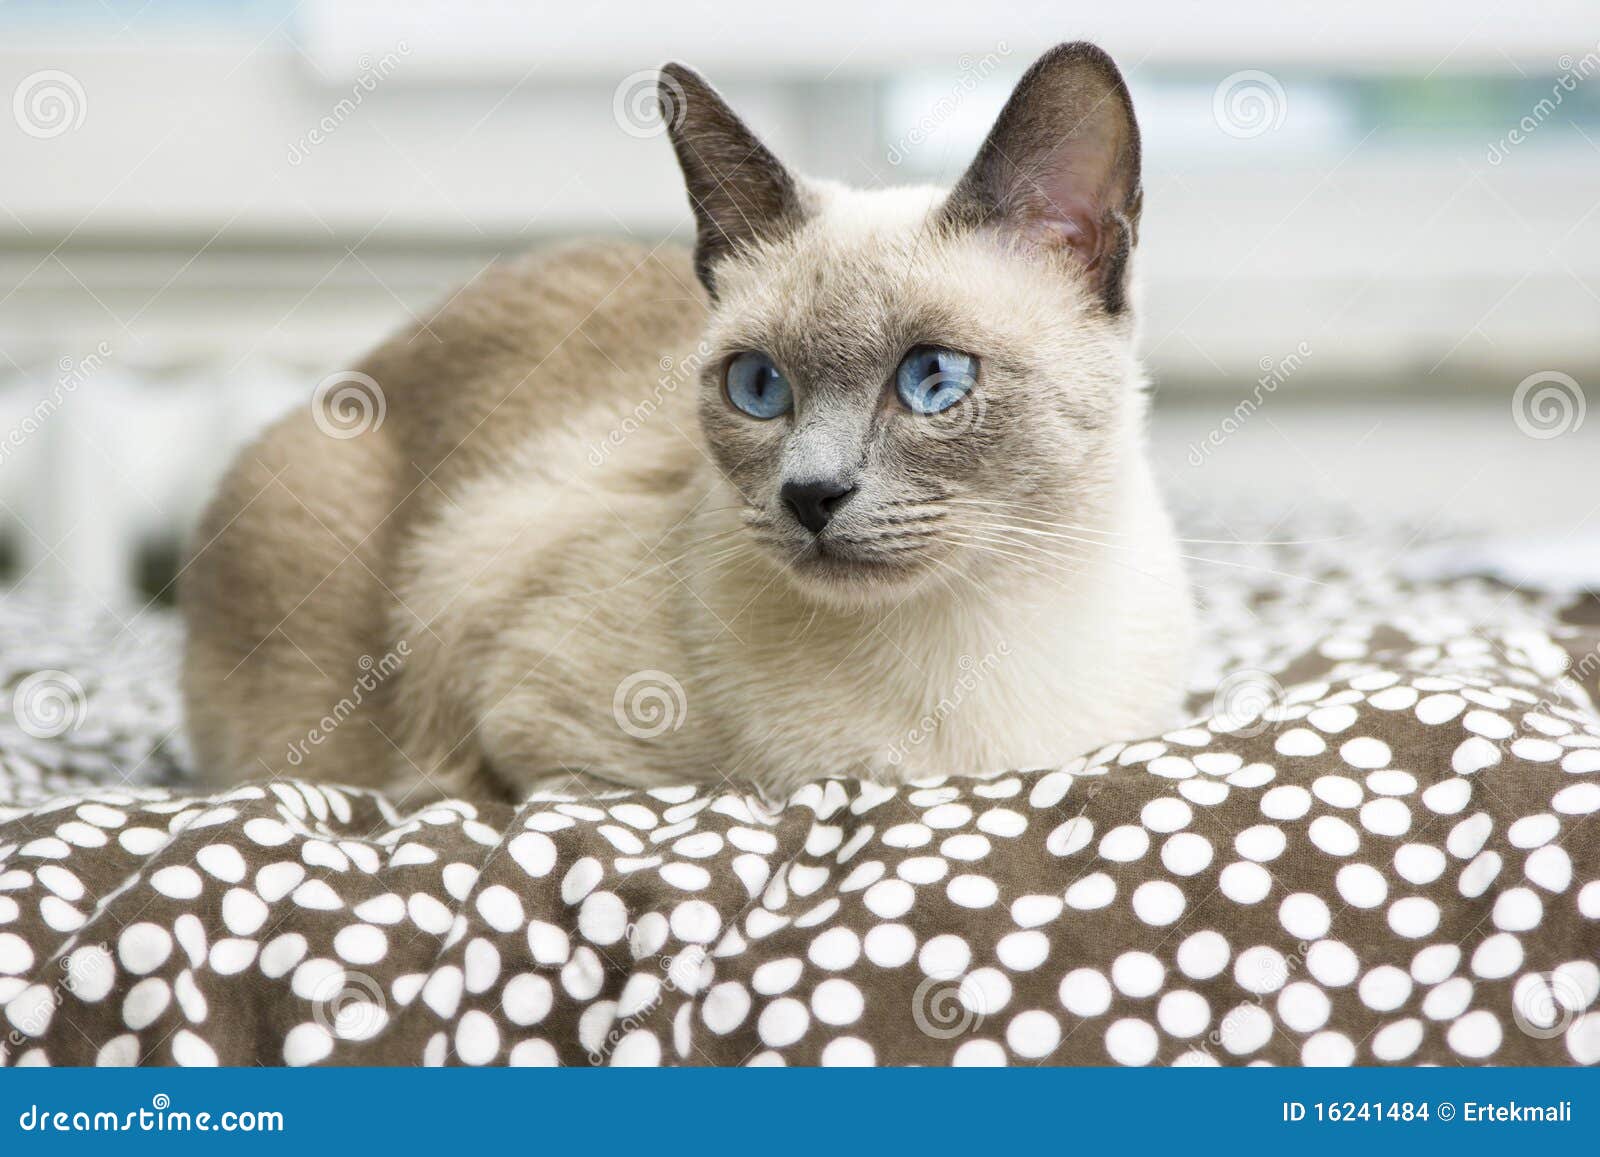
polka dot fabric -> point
(1393, 861)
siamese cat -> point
(858, 488)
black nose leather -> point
(814, 503)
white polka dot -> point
(1085, 992)
(178, 882)
(1286, 802)
(890, 899)
(1419, 863)
(1300, 741)
(1497, 957)
(1263, 842)
(1186, 854)
(1032, 911)
(1203, 955)
(1327, 1050)
(1332, 963)
(944, 955)
(1023, 951)
(1033, 1034)
(1304, 916)
(1124, 844)
(534, 852)
(1385, 988)
(777, 976)
(1303, 1006)
(1448, 1000)
(1137, 974)
(1093, 891)
(144, 947)
(1245, 1028)
(527, 999)
(1395, 1042)
(848, 1052)
(1166, 815)
(1260, 969)
(1386, 817)
(306, 1044)
(1183, 1013)
(1413, 917)
(1434, 963)
(835, 949)
(1131, 1042)
(972, 891)
(837, 1001)
(1337, 790)
(1361, 885)
(1518, 910)
(1473, 755)
(1158, 902)
(783, 1022)
(1245, 883)
(890, 945)
(726, 1006)
(979, 1054)
(695, 922)
(477, 1038)
(361, 944)
(637, 1049)
(1477, 1034)
(602, 918)
(1334, 836)
(1549, 867)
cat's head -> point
(914, 382)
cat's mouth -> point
(844, 565)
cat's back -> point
(568, 339)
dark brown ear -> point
(1061, 167)
(739, 191)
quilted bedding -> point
(1374, 843)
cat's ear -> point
(1060, 168)
(739, 191)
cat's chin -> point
(849, 580)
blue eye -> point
(931, 378)
(756, 387)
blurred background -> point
(1371, 250)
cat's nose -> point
(814, 503)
